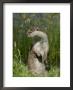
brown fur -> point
(36, 68)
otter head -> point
(31, 30)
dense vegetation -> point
(48, 23)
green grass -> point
(48, 23)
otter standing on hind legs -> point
(39, 49)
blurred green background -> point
(48, 23)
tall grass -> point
(48, 23)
